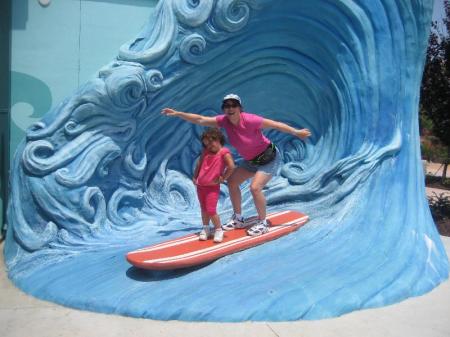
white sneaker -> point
(218, 236)
(204, 234)
(234, 222)
(258, 229)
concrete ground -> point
(22, 315)
(436, 169)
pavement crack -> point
(274, 332)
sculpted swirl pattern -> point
(104, 172)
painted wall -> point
(5, 39)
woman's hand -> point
(169, 112)
(302, 133)
(218, 181)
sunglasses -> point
(230, 105)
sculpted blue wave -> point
(104, 172)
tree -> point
(435, 88)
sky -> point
(438, 10)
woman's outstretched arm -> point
(190, 117)
(283, 127)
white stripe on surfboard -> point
(228, 244)
(176, 242)
(170, 243)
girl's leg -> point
(205, 218)
(205, 232)
(218, 234)
(202, 194)
(211, 206)
(236, 179)
(215, 219)
(259, 181)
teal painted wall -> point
(58, 47)
(54, 50)
(5, 40)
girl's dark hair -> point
(214, 134)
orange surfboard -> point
(188, 251)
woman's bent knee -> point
(255, 189)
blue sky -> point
(438, 10)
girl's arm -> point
(192, 118)
(271, 124)
(197, 169)
(229, 162)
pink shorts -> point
(208, 196)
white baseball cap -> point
(232, 96)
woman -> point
(261, 162)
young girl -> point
(214, 167)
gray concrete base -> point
(22, 315)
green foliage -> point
(436, 181)
(435, 88)
(425, 122)
(439, 206)
(433, 151)
(427, 151)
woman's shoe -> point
(258, 229)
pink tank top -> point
(246, 137)
(212, 167)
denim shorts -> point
(273, 168)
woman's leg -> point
(237, 178)
(259, 181)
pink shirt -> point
(246, 137)
(213, 165)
